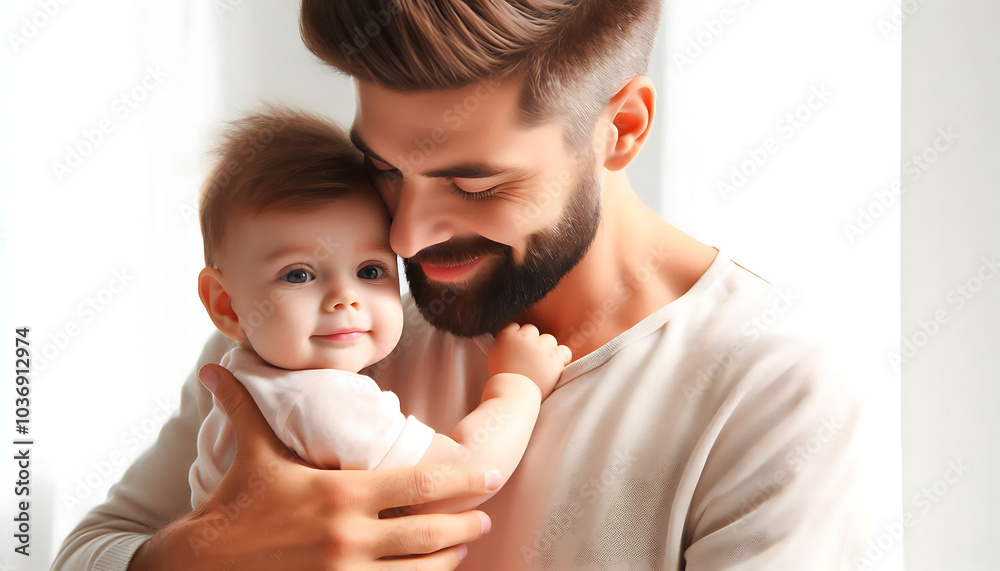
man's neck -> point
(637, 264)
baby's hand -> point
(521, 350)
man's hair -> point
(571, 56)
(276, 159)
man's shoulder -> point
(738, 305)
(728, 305)
(745, 332)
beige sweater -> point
(705, 437)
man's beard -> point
(495, 296)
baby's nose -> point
(341, 298)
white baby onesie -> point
(332, 419)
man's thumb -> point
(245, 418)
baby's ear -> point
(215, 298)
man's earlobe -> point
(218, 304)
(631, 118)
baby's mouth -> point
(343, 335)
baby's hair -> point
(276, 159)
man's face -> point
(488, 214)
(316, 289)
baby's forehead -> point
(354, 222)
(352, 207)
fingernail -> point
(209, 378)
(486, 522)
(492, 480)
(463, 550)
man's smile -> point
(455, 272)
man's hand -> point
(520, 349)
(273, 511)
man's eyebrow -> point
(475, 170)
(363, 147)
(467, 170)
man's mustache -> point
(458, 250)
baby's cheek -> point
(271, 337)
(389, 335)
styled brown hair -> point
(277, 159)
(571, 55)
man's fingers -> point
(252, 432)
(446, 560)
(433, 482)
(430, 533)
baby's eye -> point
(371, 273)
(298, 276)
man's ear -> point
(215, 298)
(631, 115)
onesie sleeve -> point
(334, 419)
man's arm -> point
(271, 508)
(153, 491)
(780, 485)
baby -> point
(300, 273)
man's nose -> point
(421, 217)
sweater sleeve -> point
(152, 492)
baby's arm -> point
(524, 367)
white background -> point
(951, 80)
(128, 207)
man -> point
(687, 433)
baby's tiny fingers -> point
(548, 340)
(529, 329)
(508, 329)
(565, 353)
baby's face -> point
(316, 289)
